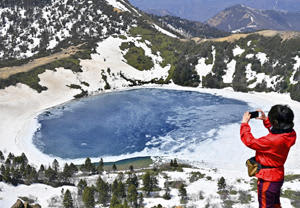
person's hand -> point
(262, 115)
(246, 117)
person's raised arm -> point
(265, 119)
(261, 144)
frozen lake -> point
(126, 122)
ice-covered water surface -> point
(131, 121)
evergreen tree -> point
(41, 173)
(103, 190)
(68, 201)
(6, 176)
(42, 168)
(167, 194)
(14, 176)
(175, 163)
(55, 165)
(183, 194)
(51, 175)
(2, 169)
(147, 182)
(81, 186)
(182, 190)
(121, 190)
(1, 156)
(114, 202)
(132, 195)
(171, 163)
(150, 182)
(125, 204)
(88, 197)
(133, 179)
(88, 166)
(22, 168)
(10, 156)
(114, 186)
(24, 159)
(7, 162)
(141, 200)
(100, 167)
(73, 168)
(67, 172)
(114, 167)
(221, 183)
(131, 168)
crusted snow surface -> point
(260, 78)
(164, 31)
(204, 69)
(228, 77)
(52, 44)
(296, 67)
(41, 193)
(109, 62)
(262, 57)
(237, 51)
(249, 56)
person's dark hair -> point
(281, 117)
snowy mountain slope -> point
(158, 54)
(240, 18)
(59, 24)
(189, 29)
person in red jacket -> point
(271, 151)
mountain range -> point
(240, 18)
(202, 10)
(188, 28)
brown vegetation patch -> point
(6, 72)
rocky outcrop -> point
(20, 204)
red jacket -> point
(271, 150)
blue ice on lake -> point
(126, 122)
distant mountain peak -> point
(241, 18)
(159, 12)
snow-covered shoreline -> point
(20, 105)
(19, 139)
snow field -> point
(199, 192)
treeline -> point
(17, 170)
(280, 62)
(127, 190)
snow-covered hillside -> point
(59, 24)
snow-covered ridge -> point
(47, 27)
(117, 4)
(164, 31)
